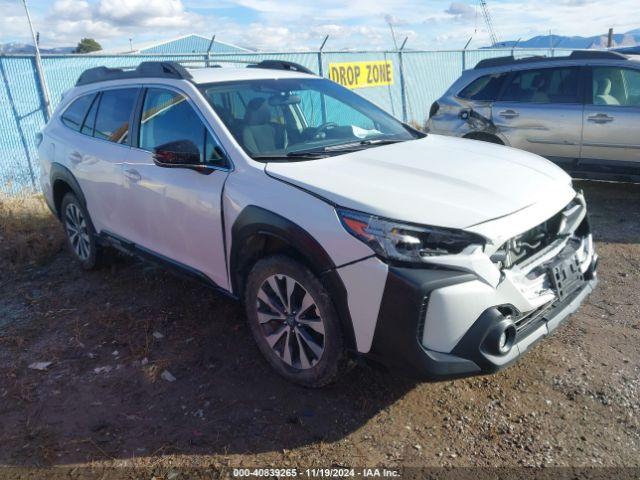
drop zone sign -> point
(374, 73)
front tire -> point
(81, 236)
(294, 322)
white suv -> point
(347, 234)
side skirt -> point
(130, 248)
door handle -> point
(509, 114)
(133, 175)
(600, 118)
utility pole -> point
(610, 38)
(39, 70)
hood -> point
(437, 180)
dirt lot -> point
(110, 334)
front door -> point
(540, 110)
(176, 212)
(612, 118)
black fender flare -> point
(256, 221)
(61, 173)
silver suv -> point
(581, 111)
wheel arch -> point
(258, 233)
(63, 182)
(485, 137)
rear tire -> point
(81, 236)
(294, 322)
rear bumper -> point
(397, 341)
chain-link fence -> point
(419, 78)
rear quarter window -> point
(74, 115)
(484, 88)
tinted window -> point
(545, 85)
(74, 115)
(616, 86)
(114, 111)
(168, 119)
(90, 118)
(484, 88)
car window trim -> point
(138, 117)
(95, 101)
(513, 73)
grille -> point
(519, 249)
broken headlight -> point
(405, 242)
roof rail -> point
(281, 65)
(501, 61)
(598, 54)
(575, 55)
(144, 70)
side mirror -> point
(182, 153)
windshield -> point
(301, 118)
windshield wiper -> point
(292, 155)
(362, 144)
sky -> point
(301, 25)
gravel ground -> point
(152, 371)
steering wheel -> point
(322, 128)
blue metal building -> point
(191, 43)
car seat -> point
(259, 134)
(603, 93)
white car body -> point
(194, 220)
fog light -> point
(507, 338)
(502, 343)
(502, 337)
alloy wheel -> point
(290, 321)
(76, 226)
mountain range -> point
(627, 39)
(15, 47)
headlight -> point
(405, 242)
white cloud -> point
(461, 11)
(295, 24)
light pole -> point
(43, 83)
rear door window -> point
(616, 86)
(485, 88)
(114, 113)
(544, 85)
(74, 115)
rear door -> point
(176, 212)
(540, 110)
(96, 156)
(612, 118)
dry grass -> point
(29, 233)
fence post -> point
(207, 60)
(403, 88)
(464, 60)
(323, 104)
(43, 83)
